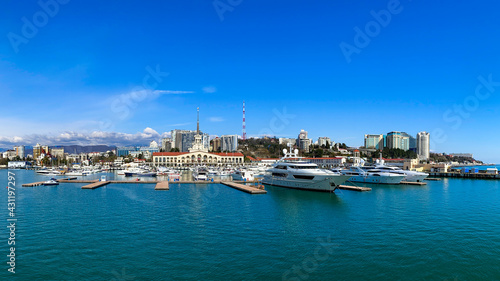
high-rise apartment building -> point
(374, 141)
(423, 145)
(229, 143)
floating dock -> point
(33, 184)
(163, 185)
(433, 179)
(245, 188)
(354, 188)
(465, 175)
(413, 183)
(95, 185)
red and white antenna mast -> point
(244, 125)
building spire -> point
(198, 121)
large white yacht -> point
(200, 174)
(243, 175)
(410, 176)
(292, 172)
(358, 174)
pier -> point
(160, 185)
(95, 185)
(245, 188)
(413, 183)
(465, 175)
(163, 185)
(33, 184)
(354, 188)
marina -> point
(338, 219)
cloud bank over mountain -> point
(93, 138)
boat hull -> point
(416, 178)
(326, 183)
(378, 180)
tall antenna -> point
(244, 125)
(198, 121)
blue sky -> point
(116, 72)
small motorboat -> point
(52, 181)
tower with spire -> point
(198, 139)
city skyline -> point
(114, 79)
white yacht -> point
(201, 174)
(292, 172)
(358, 174)
(243, 175)
(410, 176)
(138, 172)
(73, 173)
(52, 181)
(49, 172)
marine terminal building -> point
(198, 155)
(177, 159)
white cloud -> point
(93, 138)
(216, 119)
(209, 89)
(169, 92)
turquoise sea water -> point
(447, 230)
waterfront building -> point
(118, 161)
(57, 152)
(327, 162)
(286, 141)
(176, 138)
(326, 141)
(19, 165)
(229, 143)
(398, 140)
(73, 158)
(412, 141)
(216, 144)
(9, 154)
(20, 151)
(187, 139)
(303, 142)
(166, 144)
(374, 141)
(178, 159)
(125, 150)
(37, 151)
(303, 134)
(198, 154)
(423, 145)
(149, 150)
(145, 154)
